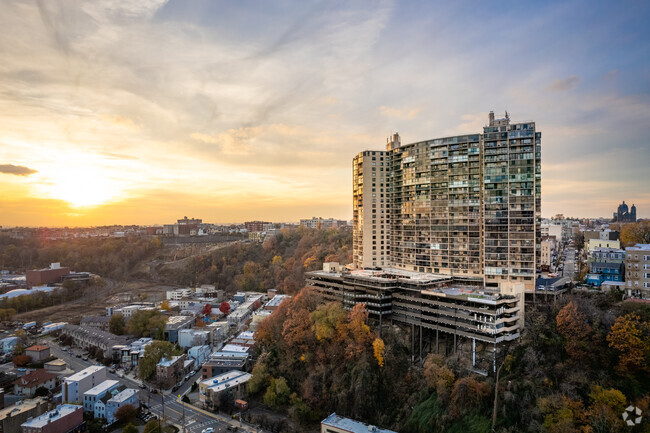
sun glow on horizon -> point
(84, 187)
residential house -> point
(170, 370)
(91, 396)
(127, 396)
(27, 385)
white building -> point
(193, 337)
(92, 395)
(178, 294)
(76, 385)
(233, 381)
(199, 354)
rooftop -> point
(277, 300)
(21, 407)
(168, 362)
(37, 348)
(246, 335)
(124, 395)
(177, 321)
(351, 425)
(639, 247)
(227, 380)
(102, 387)
(85, 373)
(235, 348)
(220, 355)
(48, 417)
(35, 378)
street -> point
(570, 259)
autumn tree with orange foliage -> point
(630, 337)
(572, 325)
(331, 360)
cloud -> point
(17, 170)
(397, 113)
(564, 85)
(123, 121)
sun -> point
(84, 187)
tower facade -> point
(467, 206)
(370, 210)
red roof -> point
(37, 348)
(35, 378)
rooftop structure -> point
(338, 424)
(209, 389)
(65, 416)
(102, 388)
(433, 304)
(85, 372)
(275, 302)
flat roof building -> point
(63, 419)
(338, 424)
(76, 385)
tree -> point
(259, 380)
(636, 233)
(130, 428)
(153, 353)
(630, 338)
(224, 307)
(256, 305)
(207, 310)
(147, 323)
(562, 414)
(21, 360)
(151, 427)
(573, 326)
(438, 376)
(41, 391)
(126, 413)
(164, 305)
(606, 408)
(277, 393)
(117, 324)
(378, 348)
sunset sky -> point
(144, 111)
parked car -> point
(207, 430)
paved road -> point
(570, 261)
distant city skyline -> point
(140, 112)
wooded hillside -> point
(579, 364)
(280, 262)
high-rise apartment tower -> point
(467, 206)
